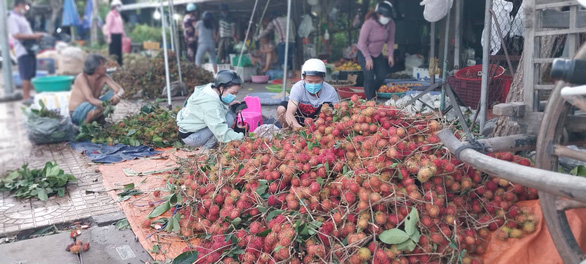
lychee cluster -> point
(326, 193)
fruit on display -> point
(144, 77)
(348, 66)
(397, 87)
(362, 183)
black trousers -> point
(374, 78)
(115, 47)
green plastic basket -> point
(390, 95)
(276, 88)
(52, 83)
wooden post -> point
(529, 53)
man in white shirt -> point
(21, 34)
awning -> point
(166, 3)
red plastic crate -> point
(469, 91)
(347, 92)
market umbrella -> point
(70, 16)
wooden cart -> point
(562, 122)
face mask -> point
(118, 9)
(228, 98)
(384, 20)
(313, 88)
(22, 11)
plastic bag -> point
(306, 26)
(266, 131)
(435, 10)
(413, 61)
(46, 130)
(502, 10)
(244, 62)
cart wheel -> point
(550, 147)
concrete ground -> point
(20, 218)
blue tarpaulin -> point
(87, 15)
(111, 154)
(70, 15)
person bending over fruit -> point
(206, 117)
(307, 96)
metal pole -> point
(445, 67)
(286, 48)
(94, 23)
(168, 83)
(246, 36)
(9, 93)
(432, 50)
(172, 35)
(458, 34)
(178, 49)
(485, 61)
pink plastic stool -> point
(253, 114)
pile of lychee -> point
(77, 246)
(326, 193)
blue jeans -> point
(205, 137)
(281, 53)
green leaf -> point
(156, 249)
(42, 194)
(393, 236)
(173, 199)
(320, 181)
(262, 209)
(175, 221)
(400, 175)
(131, 132)
(273, 213)
(236, 221)
(122, 224)
(303, 134)
(159, 210)
(411, 222)
(264, 233)
(276, 250)
(128, 187)
(579, 171)
(327, 165)
(416, 236)
(408, 245)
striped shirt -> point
(226, 27)
(279, 26)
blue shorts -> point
(27, 67)
(80, 113)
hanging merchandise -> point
(435, 10)
(306, 26)
(502, 10)
(517, 25)
(312, 2)
(333, 14)
(356, 22)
